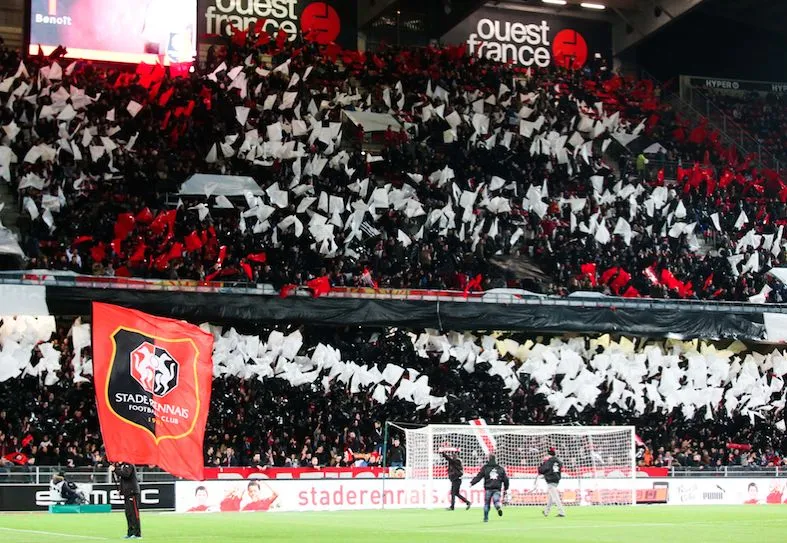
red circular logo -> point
(569, 49)
(321, 22)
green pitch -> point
(692, 524)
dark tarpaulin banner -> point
(327, 21)
(153, 379)
(553, 316)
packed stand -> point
(764, 116)
(320, 397)
(494, 179)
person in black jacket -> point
(455, 472)
(126, 477)
(552, 470)
(495, 481)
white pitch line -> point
(18, 530)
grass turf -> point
(673, 524)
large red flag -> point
(153, 379)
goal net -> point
(598, 461)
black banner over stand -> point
(649, 320)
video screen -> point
(116, 30)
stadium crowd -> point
(764, 116)
(495, 178)
(271, 422)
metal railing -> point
(41, 475)
(727, 471)
(729, 127)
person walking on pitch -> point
(455, 472)
(126, 476)
(552, 469)
(495, 481)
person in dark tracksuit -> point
(126, 476)
(552, 470)
(455, 473)
(495, 481)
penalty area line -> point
(39, 532)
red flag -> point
(161, 262)
(139, 254)
(367, 279)
(165, 96)
(247, 270)
(144, 216)
(98, 252)
(259, 258)
(144, 69)
(17, 458)
(650, 273)
(28, 439)
(319, 286)
(176, 251)
(122, 271)
(698, 135)
(281, 38)
(82, 239)
(116, 245)
(179, 69)
(670, 280)
(165, 120)
(263, 39)
(238, 36)
(193, 242)
(124, 225)
(286, 290)
(631, 292)
(153, 379)
(222, 255)
(474, 284)
(589, 270)
(620, 281)
(708, 282)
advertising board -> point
(116, 30)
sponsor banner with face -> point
(727, 491)
(153, 379)
(330, 495)
(116, 30)
(531, 39)
(327, 21)
(40, 497)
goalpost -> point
(599, 462)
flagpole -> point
(385, 459)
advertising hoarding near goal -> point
(531, 39)
(116, 30)
(337, 495)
